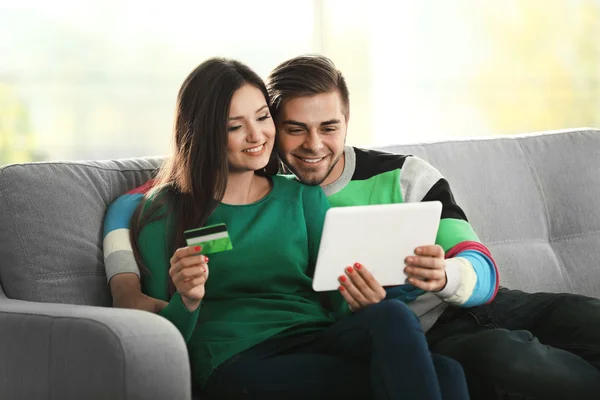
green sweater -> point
(259, 290)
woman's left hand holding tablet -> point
(360, 288)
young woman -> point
(253, 325)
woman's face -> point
(251, 130)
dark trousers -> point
(525, 346)
(378, 353)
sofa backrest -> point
(534, 200)
(51, 227)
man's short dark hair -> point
(306, 75)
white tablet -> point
(380, 237)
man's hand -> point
(427, 269)
(126, 292)
(359, 288)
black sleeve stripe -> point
(440, 191)
(373, 162)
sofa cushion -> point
(51, 218)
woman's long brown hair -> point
(191, 182)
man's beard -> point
(315, 181)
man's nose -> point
(313, 142)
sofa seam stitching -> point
(535, 177)
(144, 169)
(556, 239)
(575, 235)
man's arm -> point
(122, 271)
(126, 292)
(471, 273)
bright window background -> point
(98, 79)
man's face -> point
(311, 134)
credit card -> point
(212, 239)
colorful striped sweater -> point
(369, 177)
(375, 177)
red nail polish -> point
(357, 266)
(350, 270)
(203, 269)
(343, 278)
(197, 248)
(342, 288)
(205, 259)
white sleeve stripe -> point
(453, 278)
(115, 241)
(467, 283)
(416, 179)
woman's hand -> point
(189, 272)
(360, 288)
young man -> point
(310, 105)
(541, 346)
(450, 283)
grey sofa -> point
(533, 199)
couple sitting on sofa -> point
(254, 327)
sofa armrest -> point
(60, 351)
